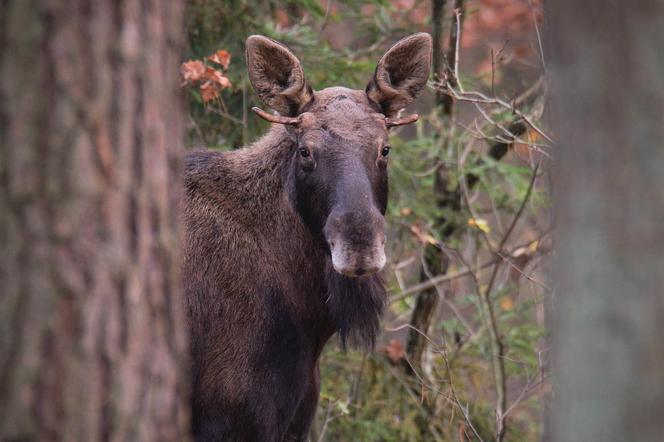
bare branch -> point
(432, 282)
(528, 277)
(480, 98)
(497, 348)
(464, 410)
(456, 37)
(223, 114)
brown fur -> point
(262, 295)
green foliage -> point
(381, 410)
(225, 24)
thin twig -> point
(530, 385)
(325, 20)
(457, 43)
(464, 193)
(449, 277)
(464, 410)
(327, 420)
(433, 282)
(522, 207)
(539, 36)
(226, 115)
(480, 98)
(497, 349)
(410, 391)
(525, 275)
(439, 350)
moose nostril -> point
(360, 271)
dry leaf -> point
(532, 248)
(480, 224)
(221, 57)
(217, 78)
(208, 91)
(192, 70)
(526, 250)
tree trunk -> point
(426, 302)
(92, 338)
(608, 70)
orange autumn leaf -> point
(208, 91)
(222, 57)
(224, 82)
(210, 81)
(192, 70)
(217, 78)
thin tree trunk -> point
(437, 263)
(92, 339)
(608, 72)
(426, 301)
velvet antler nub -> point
(276, 118)
(392, 122)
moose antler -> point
(392, 122)
(276, 118)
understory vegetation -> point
(463, 354)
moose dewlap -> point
(284, 239)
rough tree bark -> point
(92, 340)
(608, 73)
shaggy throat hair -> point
(355, 306)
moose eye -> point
(304, 152)
(385, 151)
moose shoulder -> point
(284, 239)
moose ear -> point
(277, 75)
(401, 73)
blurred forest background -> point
(463, 353)
(93, 339)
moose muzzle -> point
(357, 241)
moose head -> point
(337, 177)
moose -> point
(284, 239)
